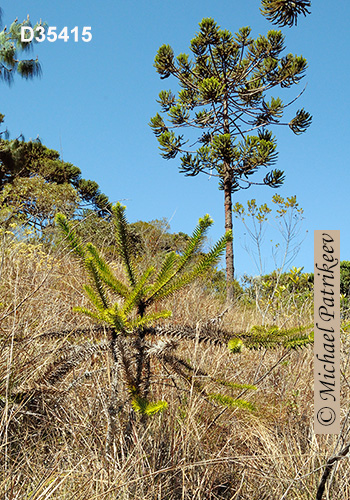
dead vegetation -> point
(55, 391)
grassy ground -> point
(54, 445)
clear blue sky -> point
(94, 101)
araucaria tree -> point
(35, 184)
(141, 345)
(126, 307)
(223, 96)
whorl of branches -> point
(284, 12)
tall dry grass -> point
(54, 435)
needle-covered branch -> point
(11, 46)
(284, 12)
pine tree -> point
(10, 48)
(10, 63)
(33, 180)
(223, 96)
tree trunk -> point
(230, 271)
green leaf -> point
(158, 126)
(124, 241)
(300, 122)
(170, 144)
(98, 285)
(165, 274)
(206, 262)
(196, 240)
(211, 89)
(233, 385)
(149, 319)
(87, 312)
(138, 292)
(284, 12)
(145, 407)
(168, 273)
(164, 61)
(72, 239)
(166, 100)
(106, 274)
(231, 402)
(178, 115)
(235, 345)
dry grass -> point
(53, 445)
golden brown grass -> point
(53, 446)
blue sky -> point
(94, 101)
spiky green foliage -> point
(10, 48)
(284, 12)
(233, 385)
(184, 369)
(125, 306)
(124, 242)
(231, 402)
(142, 289)
(232, 75)
(72, 239)
(225, 96)
(145, 407)
(235, 345)
(270, 337)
